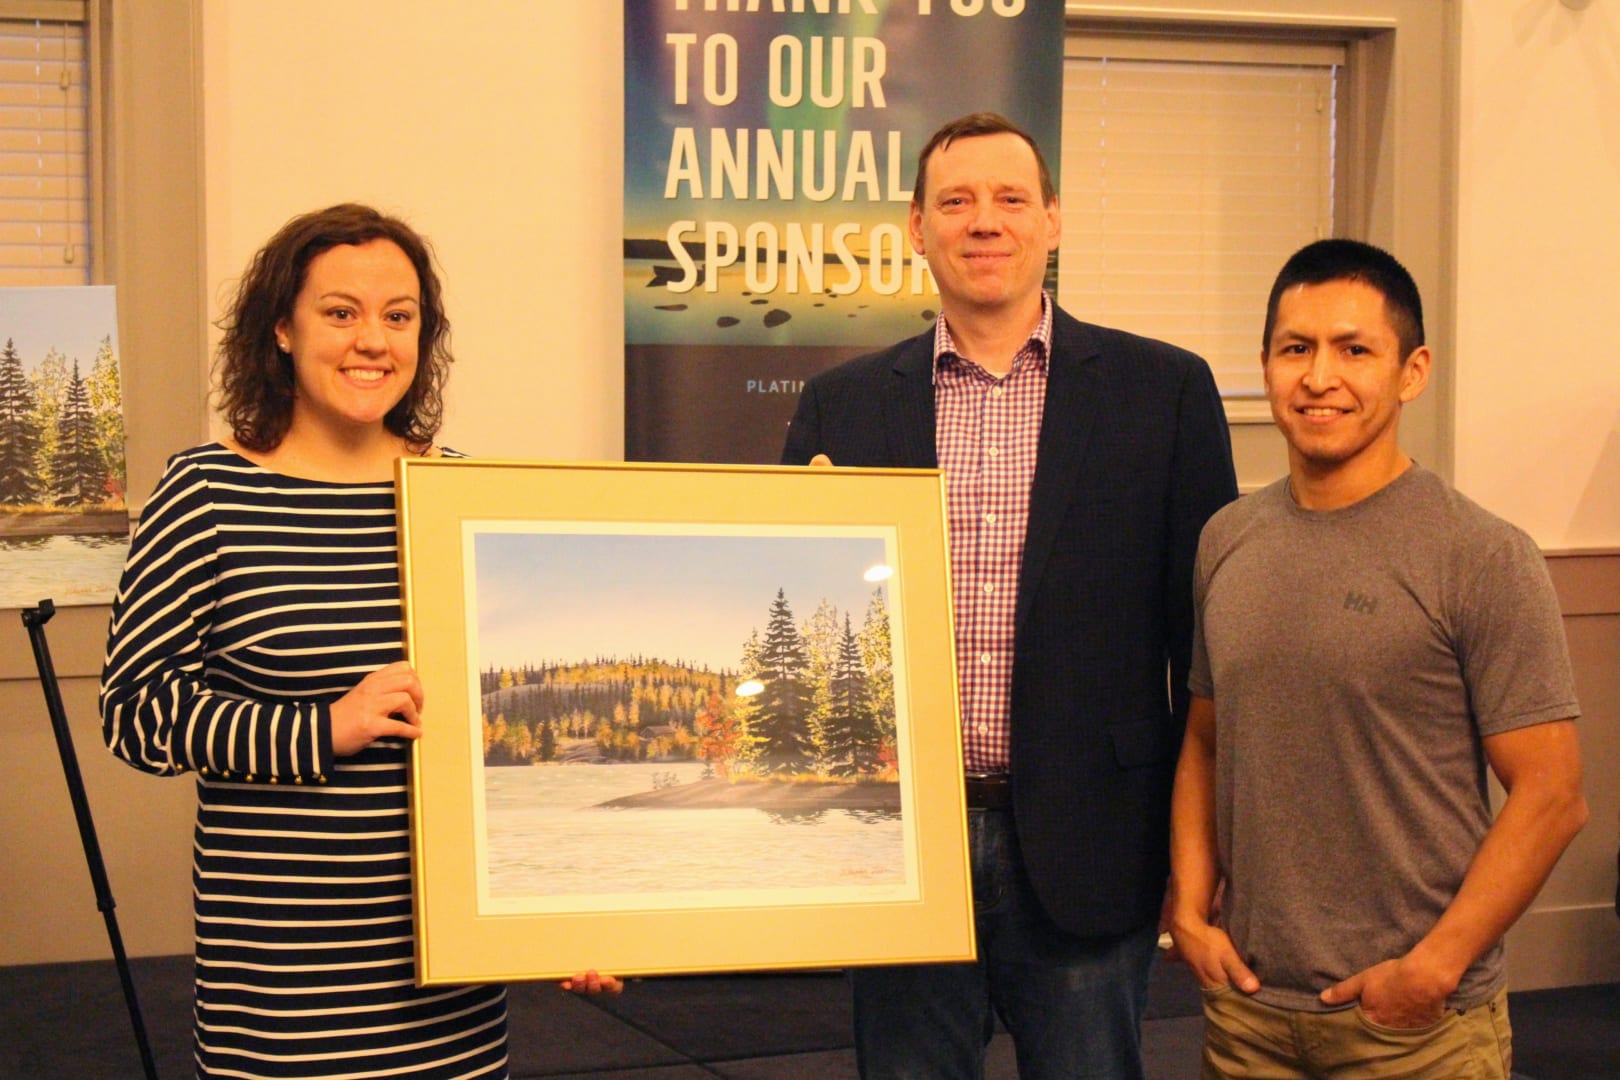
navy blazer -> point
(1134, 456)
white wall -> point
(391, 101)
(1538, 268)
(495, 128)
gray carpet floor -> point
(69, 1021)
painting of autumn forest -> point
(715, 666)
(810, 701)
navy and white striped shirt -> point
(251, 602)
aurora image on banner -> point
(768, 166)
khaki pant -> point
(1244, 1038)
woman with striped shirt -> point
(256, 643)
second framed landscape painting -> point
(681, 719)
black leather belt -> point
(988, 791)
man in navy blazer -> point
(1081, 463)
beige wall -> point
(152, 255)
(1537, 422)
(306, 103)
(47, 907)
(500, 137)
(1538, 268)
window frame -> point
(1282, 51)
(1395, 179)
(89, 15)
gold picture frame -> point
(648, 813)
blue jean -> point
(1073, 1005)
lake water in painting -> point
(65, 569)
(546, 837)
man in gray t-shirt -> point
(1367, 641)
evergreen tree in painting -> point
(49, 381)
(782, 722)
(852, 732)
(77, 465)
(821, 637)
(19, 433)
(877, 657)
(107, 405)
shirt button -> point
(995, 391)
(989, 586)
(993, 451)
(990, 518)
(984, 729)
(984, 658)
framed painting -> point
(681, 719)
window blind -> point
(1190, 172)
(44, 152)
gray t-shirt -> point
(1356, 657)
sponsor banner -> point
(770, 153)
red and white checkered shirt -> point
(986, 433)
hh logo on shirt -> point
(1354, 601)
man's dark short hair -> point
(1351, 260)
(971, 126)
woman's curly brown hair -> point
(255, 378)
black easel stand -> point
(35, 621)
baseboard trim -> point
(1564, 946)
(1587, 581)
